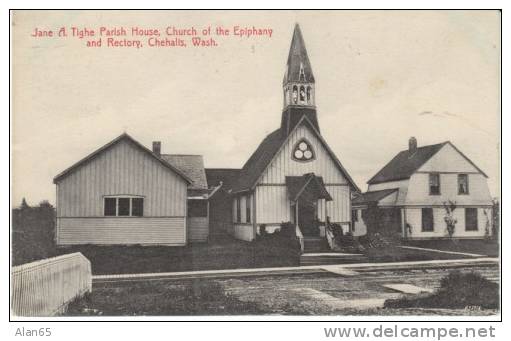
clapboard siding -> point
(414, 219)
(273, 205)
(283, 165)
(339, 209)
(198, 229)
(418, 190)
(121, 169)
(125, 230)
(244, 232)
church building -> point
(125, 193)
(293, 176)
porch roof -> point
(372, 197)
(307, 186)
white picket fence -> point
(45, 287)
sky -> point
(381, 77)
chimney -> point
(412, 145)
(157, 148)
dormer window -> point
(303, 151)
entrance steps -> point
(317, 252)
(315, 244)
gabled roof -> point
(122, 137)
(405, 163)
(297, 59)
(190, 165)
(226, 176)
(373, 196)
(298, 185)
(268, 149)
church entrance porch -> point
(304, 192)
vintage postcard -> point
(244, 163)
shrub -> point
(457, 291)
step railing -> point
(299, 235)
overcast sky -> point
(381, 77)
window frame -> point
(429, 228)
(437, 175)
(238, 210)
(467, 209)
(309, 148)
(248, 209)
(354, 215)
(117, 197)
(467, 191)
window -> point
(462, 184)
(303, 151)
(434, 184)
(110, 206)
(248, 213)
(137, 207)
(123, 206)
(308, 94)
(302, 94)
(238, 210)
(471, 219)
(197, 208)
(427, 220)
(295, 94)
(354, 215)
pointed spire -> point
(298, 66)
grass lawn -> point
(227, 254)
(394, 253)
(478, 246)
(300, 294)
(194, 297)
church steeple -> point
(298, 85)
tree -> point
(24, 204)
(449, 218)
(45, 204)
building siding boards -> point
(456, 162)
(198, 229)
(414, 219)
(122, 169)
(414, 194)
(121, 230)
(418, 190)
(273, 206)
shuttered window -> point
(471, 219)
(427, 220)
